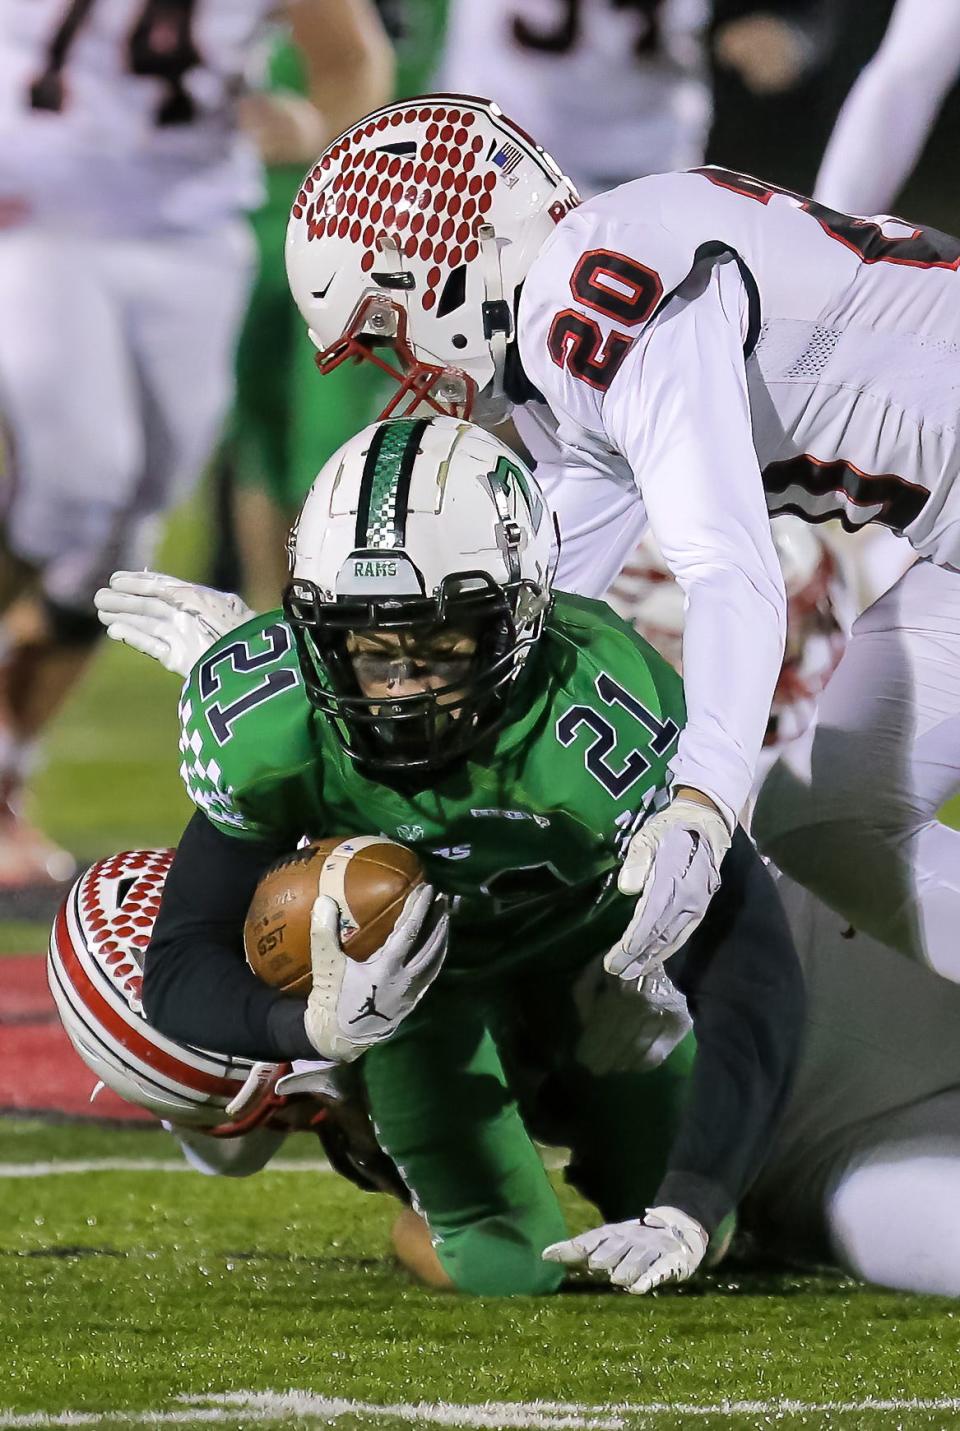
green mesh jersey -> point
(525, 837)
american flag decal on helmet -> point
(507, 158)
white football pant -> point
(116, 371)
(865, 1166)
(891, 1204)
(850, 809)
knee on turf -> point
(495, 1258)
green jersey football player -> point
(426, 683)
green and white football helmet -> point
(415, 525)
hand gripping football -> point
(370, 878)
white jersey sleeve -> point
(666, 409)
(704, 499)
(581, 498)
(891, 109)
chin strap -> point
(255, 1104)
(497, 318)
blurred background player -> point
(284, 424)
(124, 268)
(890, 111)
(617, 90)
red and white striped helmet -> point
(409, 238)
(94, 968)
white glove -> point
(257, 1104)
(318, 1077)
(673, 864)
(173, 621)
(667, 1245)
(354, 1005)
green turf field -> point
(156, 1291)
(139, 1295)
(148, 1291)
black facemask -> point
(427, 730)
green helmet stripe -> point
(385, 484)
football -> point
(370, 878)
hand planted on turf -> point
(673, 864)
(354, 1005)
(666, 1245)
(173, 621)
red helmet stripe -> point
(129, 1037)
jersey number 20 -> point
(616, 286)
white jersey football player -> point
(124, 268)
(872, 1126)
(613, 90)
(864, 1171)
(696, 351)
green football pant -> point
(460, 1130)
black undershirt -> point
(197, 986)
(739, 973)
(744, 988)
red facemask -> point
(421, 387)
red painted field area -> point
(39, 1071)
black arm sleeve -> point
(197, 986)
(744, 987)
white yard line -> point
(537, 1415)
(64, 1167)
(272, 1407)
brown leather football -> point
(370, 878)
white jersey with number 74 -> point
(123, 109)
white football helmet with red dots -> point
(407, 243)
(820, 612)
(94, 968)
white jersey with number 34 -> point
(710, 349)
(119, 113)
(610, 90)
